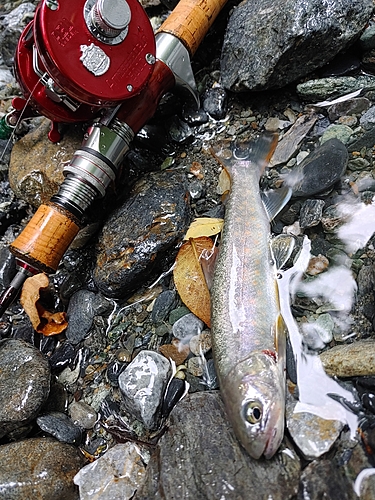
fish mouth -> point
(271, 446)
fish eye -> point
(253, 412)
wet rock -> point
(136, 236)
(163, 305)
(177, 351)
(194, 116)
(200, 344)
(321, 169)
(117, 474)
(39, 468)
(269, 45)
(367, 120)
(60, 426)
(208, 462)
(311, 213)
(39, 178)
(341, 132)
(215, 103)
(187, 327)
(62, 356)
(365, 141)
(173, 394)
(179, 131)
(24, 383)
(355, 106)
(142, 385)
(317, 265)
(350, 360)
(329, 88)
(325, 479)
(80, 313)
(289, 144)
(313, 435)
(367, 39)
(114, 369)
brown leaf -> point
(189, 277)
(43, 321)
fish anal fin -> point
(282, 247)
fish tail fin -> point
(258, 152)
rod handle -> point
(191, 19)
(46, 237)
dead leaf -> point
(196, 169)
(223, 185)
(204, 226)
(189, 277)
(43, 321)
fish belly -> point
(244, 293)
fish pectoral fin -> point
(275, 200)
(282, 247)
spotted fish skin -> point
(247, 330)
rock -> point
(115, 475)
(317, 265)
(268, 45)
(24, 383)
(341, 132)
(215, 103)
(350, 360)
(80, 313)
(177, 351)
(36, 181)
(39, 468)
(313, 435)
(325, 479)
(199, 457)
(321, 169)
(367, 39)
(61, 427)
(187, 327)
(142, 386)
(163, 305)
(365, 141)
(367, 120)
(329, 88)
(290, 142)
(173, 394)
(201, 344)
(136, 236)
(311, 213)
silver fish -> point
(247, 328)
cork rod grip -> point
(190, 21)
(46, 237)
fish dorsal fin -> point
(275, 200)
(282, 247)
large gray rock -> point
(199, 458)
(24, 384)
(39, 468)
(270, 44)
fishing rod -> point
(97, 61)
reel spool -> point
(78, 57)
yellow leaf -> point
(189, 277)
(42, 320)
(204, 226)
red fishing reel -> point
(77, 57)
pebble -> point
(179, 131)
(80, 313)
(187, 327)
(115, 475)
(313, 435)
(62, 356)
(355, 106)
(136, 236)
(317, 265)
(201, 344)
(311, 213)
(367, 38)
(350, 360)
(163, 305)
(45, 470)
(24, 384)
(142, 386)
(225, 470)
(194, 116)
(61, 427)
(177, 351)
(82, 415)
(367, 120)
(173, 394)
(341, 132)
(215, 102)
(195, 366)
(321, 169)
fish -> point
(248, 332)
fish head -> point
(255, 403)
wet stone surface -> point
(45, 468)
(24, 384)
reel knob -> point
(108, 20)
